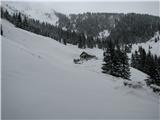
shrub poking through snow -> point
(155, 88)
(133, 84)
(77, 61)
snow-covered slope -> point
(32, 10)
(40, 80)
(151, 45)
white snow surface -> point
(31, 11)
(103, 34)
(40, 81)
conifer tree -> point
(125, 66)
(108, 58)
(117, 66)
(107, 65)
(116, 62)
(1, 30)
(149, 63)
(135, 60)
(89, 42)
(64, 42)
(142, 55)
(83, 41)
(19, 20)
(25, 23)
(80, 44)
(121, 65)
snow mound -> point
(40, 81)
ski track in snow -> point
(40, 81)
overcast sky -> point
(149, 7)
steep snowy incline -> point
(40, 81)
(32, 10)
(151, 45)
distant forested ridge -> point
(135, 28)
(83, 29)
(89, 23)
(123, 28)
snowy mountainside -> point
(151, 45)
(31, 11)
(40, 80)
(10, 9)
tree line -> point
(123, 28)
(55, 32)
(116, 61)
(90, 23)
(148, 63)
(135, 28)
